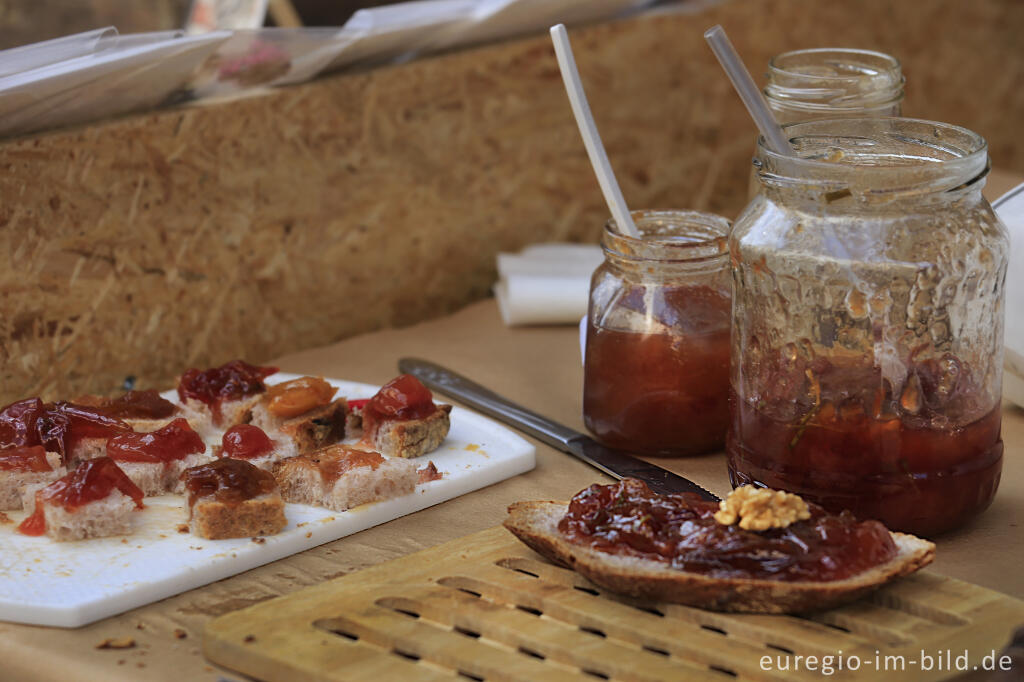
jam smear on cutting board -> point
(298, 396)
(132, 405)
(58, 427)
(175, 441)
(680, 530)
(93, 480)
(227, 480)
(245, 441)
(403, 398)
(24, 458)
(213, 387)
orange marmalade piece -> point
(298, 396)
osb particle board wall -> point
(257, 227)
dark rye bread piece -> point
(412, 437)
(536, 524)
(316, 429)
(215, 520)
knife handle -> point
(489, 402)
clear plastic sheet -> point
(381, 34)
(268, 57)
(139, 72)
(29, 57)
(92, 75)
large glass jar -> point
(832, 82)
(868, 323)
(656, 367)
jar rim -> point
(925, 156)
(885, 61)
(685, 236)
(833, 80)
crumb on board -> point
(259, 541)
(180, 634)
(117, 643)
(472, 447)
(124, 541)
(140, 626)
(4, 518)
(249, 638)
(300, 525)
(182, 527)
(309, 534)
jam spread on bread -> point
(335, 461)
(403, 398)
(132, 405)
(93, 480)
(246, 441)
(680, 530)
(298, 396)
(24, 458)
(175, 441)
(58, 427)
(226, 480)
(216, 386)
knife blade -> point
(616, 463)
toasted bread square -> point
(215, 520)
(366, 477)
(110, 516)
(13, 482)
(412, 437)
(304, 433)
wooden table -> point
(538, 367)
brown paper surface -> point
(537, 367)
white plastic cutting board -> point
(70, 584)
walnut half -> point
(761, 508)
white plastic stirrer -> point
(747, 90)
(588, 131)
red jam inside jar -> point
(402, 398)
(92, 480)
(227, 480)
(656, 363)
(662, 393)
(24, 458)
(213, 387)
(175, 441)
(626, 518)
(903, 459)
(246, 441)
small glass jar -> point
(868, 323)
(656, 366)
(805, 85)
(831, 82)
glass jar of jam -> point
(657, 348)
(868, 323)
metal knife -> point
(615, 463)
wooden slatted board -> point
(485, 607)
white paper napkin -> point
(546, 283)
(1010, 208)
